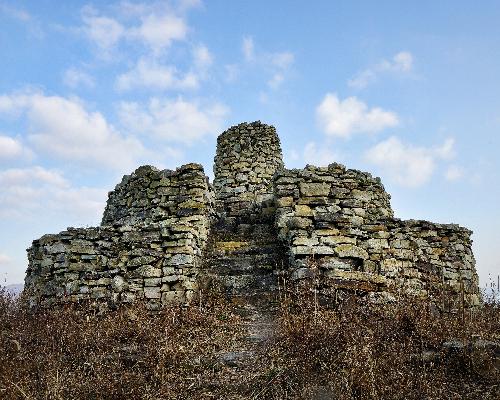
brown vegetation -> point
(355, 350)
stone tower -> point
(247, 157)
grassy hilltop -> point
(355, 350)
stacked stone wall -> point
(333, 223)
(149, 247)
(247, 157)
(151, 195)
(339, 223)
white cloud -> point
(174, 120)
(150, 74)
(319, 156)
(5, 259)
(28, 191)
(248, 49)
(342, 118)
(185, 5)
(406, 164)
(75, 78)
(232, 72)
(277, 64)
(64, 128)
(202, 57)
(276, 80)
(11, 148)
(282, 60)
(156, 26)
(453, 173)
(105, 32)
(21, 176)
(447, 150)
(312, 153)
(158, 31)
(402, 62)
(16, 13)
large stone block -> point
(314, 189)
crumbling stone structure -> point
(149, 245)
(341, 222)
(248, 156)
(164, 232)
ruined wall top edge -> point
(354, 179)
(150, 194)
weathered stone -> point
(377, 244)
(335, 240)
(152, 293)
(305, 241)
(119, 284)
(303, 211)
(299, 223)
(314, 189)
(181, 259)
(349, 250)
(162, 229)
(142, 260)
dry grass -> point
(353, 351)
(396, 351)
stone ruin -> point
(164, 234)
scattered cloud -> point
(406, 164)
(104, 32)
(21, 176)
(28, 191)
(318, 155)
(64, 128)
(282, 60)
(175, 120)
(5, 259)
(158, 31)
(147, 30)
(203, 59)
(11, 148)
(28, 20)
(248, 49)
(313, 153)
(148, 73)
(342, 118)
(276, 80)
(185, 5)
(75, 78)
(16, 13)
(447, 150)
(277, 64)
(402, 62)
(232, 72)
(453, 173)
(155, 26)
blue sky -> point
(91, 90)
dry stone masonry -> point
(340, 222)
(248, 156)
(165, 232)
(149, 245)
